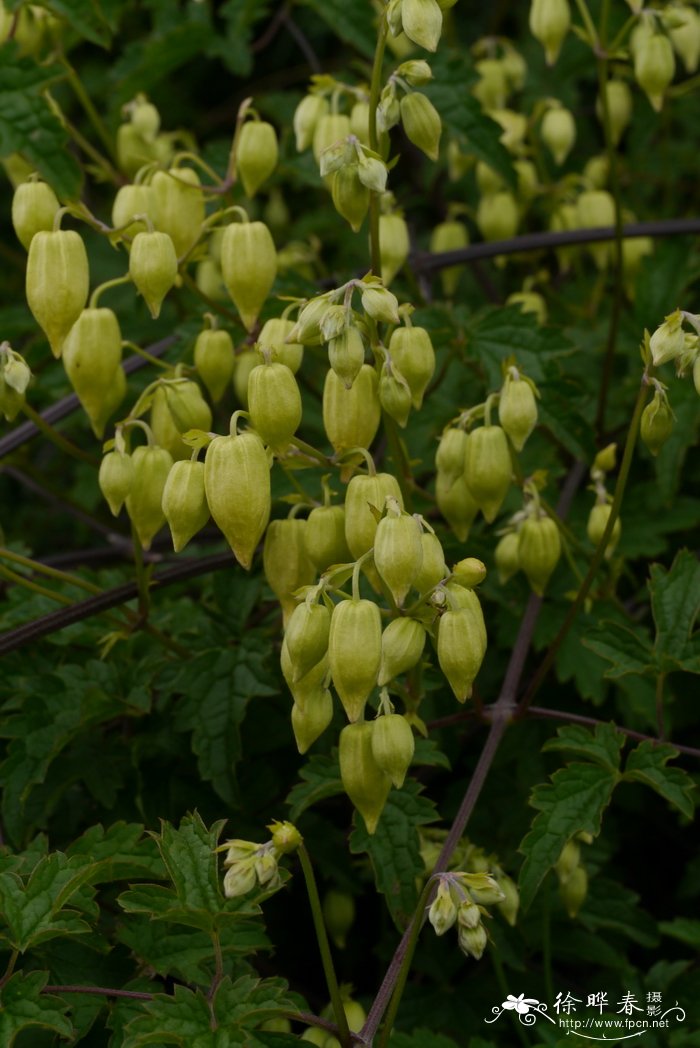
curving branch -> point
(425, 262)
(70, 403)
(111, 598)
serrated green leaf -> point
(661, 281)
(188, 955)
(574, 801)
(670, 462)
(181, 1019)
(561, 412)
(576, 662)
(161, 903)
(240, 16)
(215, 691)
(189, 856)
(647, 764)
(151, 60)
(320, 779)
(675, 604)
(57, 708)
(496, 334)
(84, 16)
(121, 851)
(462, 114)
(394, 849)
(684, 929)
(35, 911)
(645, 534)
(248, 1001)
(186, 1017)
(428, 754)
(628, 650)
(610, 905)
(354, 25)
(22, 1005)
(602, 745)
(28, 126)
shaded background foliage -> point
(146, 732)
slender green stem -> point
(141, 575)
(33, 587)
(61, 598)
(400, 985)
(45, 569)
(61, 442)
(310, 451)
(324, 947)
(110, 171)
(375, 88)
(126, 344)
(618, 274)
(116, 282)
(219, 965)
(356, 572)
(599, 554)
(547, 938)
(92, 114)
(617, 42)
(587, 21)
(402, 465)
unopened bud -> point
(668, 341)
(558, 130)
(422, 22)
(657, 422)
(597, 523)
(549, 23)
(507, 557)
(539, 549)
(443, 912)
(517, 408)
(421, 122)
(472, 941)
(654, 67)
(285, 836)
(488, 469)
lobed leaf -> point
(627, 650)
(574, 801)
(22, 1005)
(320, 779)
(675, 604)
(602, 746)
(28, 126)
(647, 764)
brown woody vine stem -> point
(561, 715)
(425, 262)
(502, 710)
(100, 991)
